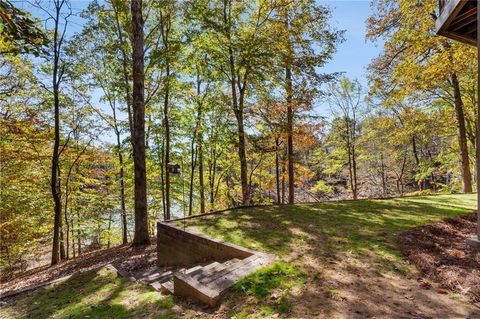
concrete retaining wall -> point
(177, 247)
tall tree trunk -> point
(79, 240)
(67, 240)
(65, 216)
(126, 76)
(162, 178)
(238, 107)
(212, 172)
(238, 110)
(201, 181)
(54, 178)
(211, 181)
(122, 199)
(351, 158)
(384, 178)
(165, 27)
(415, 152)
(277, 170)
(417, 160)
(166, 124)
(243, 160)
(400, 176)
(462, 136)
(141, 218)
(72, 233)
(123, 209)
(197, 139)
(193, 164)
(63, 255)
(194, 152)
(289, 100)
(354, 167)
(350, 172)
(60, 225)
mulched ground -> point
(440, 252)
(126, 258)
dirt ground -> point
(440, 252)
(353, 287)
(123, 257)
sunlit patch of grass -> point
(270, 287)
(263, 282)
(266, 310)
(95, 294)
(332, 227)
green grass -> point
(264, 281)
(325, 232)
(347, 226)
(270, 286)
(95, 294)
(320, 231)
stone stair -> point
(218, 265)
(206, 282)
(210, 284)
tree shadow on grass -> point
(345, 226)
(122, 257)
(361, 294)
(319, 237)
(95, 294)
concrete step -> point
(210, 268)
(161, 277)
(156, 282)
(211, 275)
(191, 270)
(225, 281)
(157, 286)
(208, 271)
(158, 276)
(209, 285)
(166, 286)
(231, 261)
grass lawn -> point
(336, 260)
(95, 294)
(340, 250)
(348, 226)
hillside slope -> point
(338, 260)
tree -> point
(196, 149)
(345, 99)
(60, 19)
(288, 60)
(240, 46)
(141, 236)
(166, 11)
(19, 31)
(26, 208)
(417, 64)
(307, 43)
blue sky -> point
(352, 57)
(355, 54)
